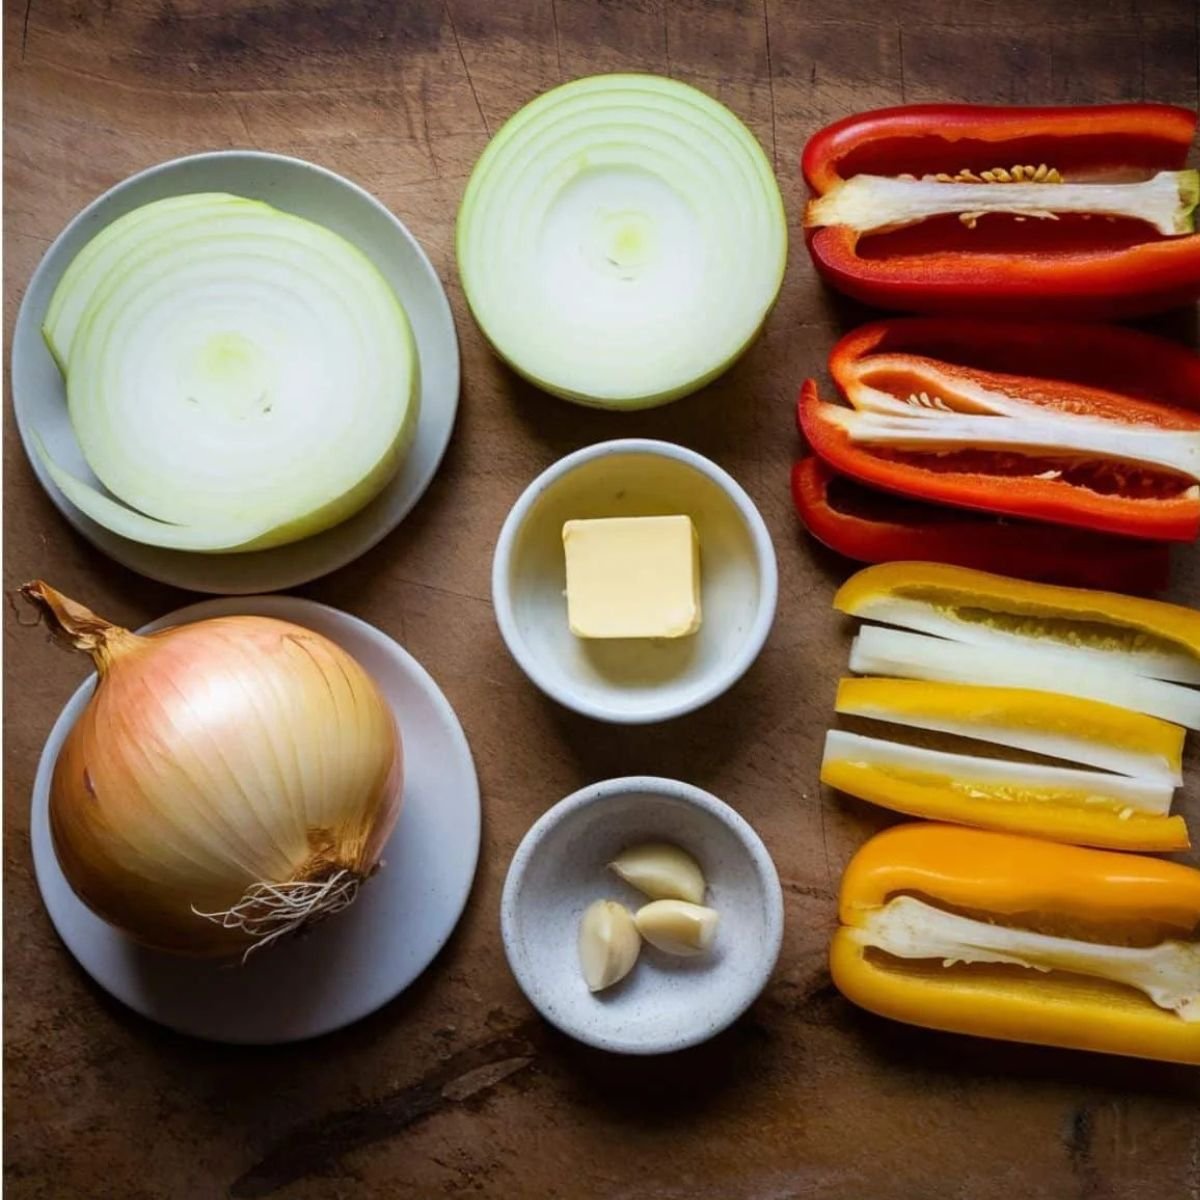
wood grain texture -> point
(453, 1089)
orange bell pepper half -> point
(1053, 421)
(1008, 937)
(990, 254)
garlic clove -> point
(677, 927)
(608, 944)
(661, 871)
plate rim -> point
(41, 843)
(125, 551)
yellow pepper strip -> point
(1067, 727)
(1061, 804)
(1145, 637)
(902, 654)
(1085, 900)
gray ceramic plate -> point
(39, 397)
(665, 1003)
(357, 960)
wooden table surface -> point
(806, 1096)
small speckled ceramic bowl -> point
(665, 1003)
(635, 680)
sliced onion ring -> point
(621, 240)
(240, 380)
(89, 269)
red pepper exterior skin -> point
(913, 531)
(1173, 519)
(926, 138)
(1093, 280)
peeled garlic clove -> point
(677, 927)
(608, 944)
(661, 871)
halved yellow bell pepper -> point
(1059, 726)
(1063, 804)
(1144, 637)
(1024, 940)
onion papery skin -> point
(237, 377)
(621, 240)
(214, 757)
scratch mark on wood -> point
(1080, 1138)
(241, 116)
(825, 839)
(1194, 1186)
(443, 591)
(807, 889)
(813, 1000)
(425, 135)
(467, 70)
(25, 27)
(1142, 59)
(315, 1147)
(557, 43)
(900, 59)
(770, 87)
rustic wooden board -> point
(454, 1089)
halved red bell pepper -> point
(873, 527)
(1101, 428)
(1092, 266)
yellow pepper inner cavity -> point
(987, 790)
(1033, 621)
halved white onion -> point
(238, 379)
(621, 240)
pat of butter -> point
(632, 577)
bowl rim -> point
(752, 984)
(274, 568)
(721, 680)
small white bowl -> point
(635, 681)
(665, 1003)
(39, 394)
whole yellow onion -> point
(229, 782)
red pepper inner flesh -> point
(903, 375)
(1099, 494)
(1053, 358)
(912, 386)
(1104, 478)
(1004, 233)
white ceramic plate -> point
(39, 397)
(355, 961)
(665, 1003)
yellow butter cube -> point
(633, 577)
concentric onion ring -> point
(621, 240)
(237, 377)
